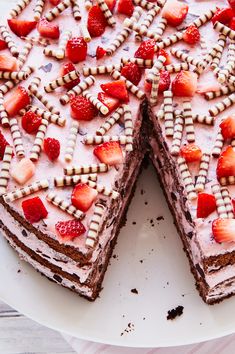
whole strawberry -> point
(52, 148)
(132, 72)
(34, 209)
(191, 35)
(146, 49)
(30, 122)
(96, 21)
(82, 109)
(76, 49)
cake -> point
(93, 88)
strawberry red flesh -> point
(146, 49)
(125, 7)
(83, 196)
(110, 102)
(232, 24)
(223, 15)
(206, 205)
(109, 153)
(34, 210)
(164, 83)
(67, 68)
(70, 229)
(52, 148)
(30, 122)
(165, 54)
(82, 109)
(226, 163)
(96, 22)
(223, 230)
(3, 44)
(21, 27)
(116, 89)
(8, 63)
(228, 127)
(3, 144)
(76, 49)
(174, 12)
(191, 152)
(184, 84)
(100, 52)
(132, 72)
(16, 100)
(191, 35)
(48, 29)
(111, 4)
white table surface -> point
(20, 335)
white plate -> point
(162, 278)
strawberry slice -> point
(100, 52)
(164, 83)
(83, 196)
(223, 230)
(3, 144)
(125, 7)
(110, 102)
(116, 89)
(76, 49)
(191, 152)
(191, 35)
(165, 54)
(52, 148)
(206, 205)
(232, 3)
(184, 84)
(48, 29)
(232, 24)
(23, 171)
(96, 22)
(82, 109)
(30, 122)
(3, 44)
(132, 72)
(54, 2)
(21, 27)
(34, 210)
(70, 229)
(228, 127)
(109, 153)
(67, 68)
(223, 15)
(146, 49)
(8, 63)
(17, 100)
(111, 4)
(226, 163)
(174, 12)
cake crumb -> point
(176, 312)
(18, 271)
(134, 291)
(141, 260)
(130, 327)
(133, 222)
(160, 218)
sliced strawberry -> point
(132, 72)
(34, 210)
(21, 27)
(3, 144)
(226, 163)
(3, 44)
(54, 2)
(52, 148)
(17, 100)
(223, 230)
(184, 84)
(223, 15)
(146, 49)
(191, 35)
(100, 52)
(232, 3)
(8, 63)
(67, 68)
(70, 229)
(206, 205)
(82, 109)
(165, 54)
(116, 89)
(228, 127)
(111, 4)
(83, 196)
(164, 83)
(48, 29)
(109, 153)
(23, 171)
(96, 21)
(30, 122)
(125, 7)
(76, 49)
(110, 102)
(232, 24)
(191, 152)
(174, 12)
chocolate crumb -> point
(127, 48)
(142, 191)
(133, 222)
(130, 327)
(141, 260)
(160, 218)
(18, 271)
(176, 312)
(24, 233)
(143, 318)
(134, 291)
(146, 203)
(46, 68)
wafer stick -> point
(76, 10)
(61, 81)
(154, 90)
(37, 41)
(108, 192)
(57, 10)
(168, 41)
(204, 18)
(60, 52)
(221, 209)
(203, 171)
(27, 190)
(147, 5)
(71, 142)
(188, 121)
(131, 24)
(129, 85)
(151, 14)
(3, 114)
(168, 113)
(52, 118)
(230, 65)
(225, 181)
(9, 41)
(224, 90)
(14, 75)
(219, 51)
(97, 103)
(5, 169)
(178, 133)
(208, 120)
(39, 6)
(187, 178)
(96, 219)
(37, 145)
(86, 169)
(223, 105)
(64, 205)
(7, 86)
(85, 33)
(185, 57)
(16, 137)
(226, 31)
(175, 68)
(142, 63)
(23, 55)
(128, 127)
(73, 180)
(227, 202)
(109, 123)
(78, 89)
(100, 70)
(208, 59)
(161, 27)
(203, 46)
(107, 13)
(157, 67)
(19, 7)
(88, 4)
(218, 146)
(100, 139)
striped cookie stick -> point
(179, 54)
(218, 146)
(187, 178)
(203, 171)
(76, 10)
(61, 81)
(203, 46)
(37, 145)
(151, 14)
(5, 169)
(208, 59)
(27, 190)
(9, 41)
(107, 13)
(73, 180)
(223, 105)
(109, 123)
(71, 142)
(94, 227)
(227, 202)
(147, 5)
(226, 31)
(60, 52)
(78, 89)
(64, 205)
(168, 41)
(128, 127)
(208, 120)
(19, 7)
(175, 68)
(154, 90)
(161, 27)
(221, 209)
(129, 85)
(39, 6)
(16, 137)
(108, 192)
(37, 41)
(100, 139)
(100, 70)
(3, 114)
(88, 4)
(224, 90)
(230, 65)
(131, 24)
(219, 51)
(14, 75)
(97, 103)
(142, 63)
(23, 55)
(225, 181)
(188, 121)
(85, 33)
(57, 10)
(168, 113)
(157, 67)
(52, 118)
(178, 133)
(8, 85)
(204, 18)
(86, 169)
